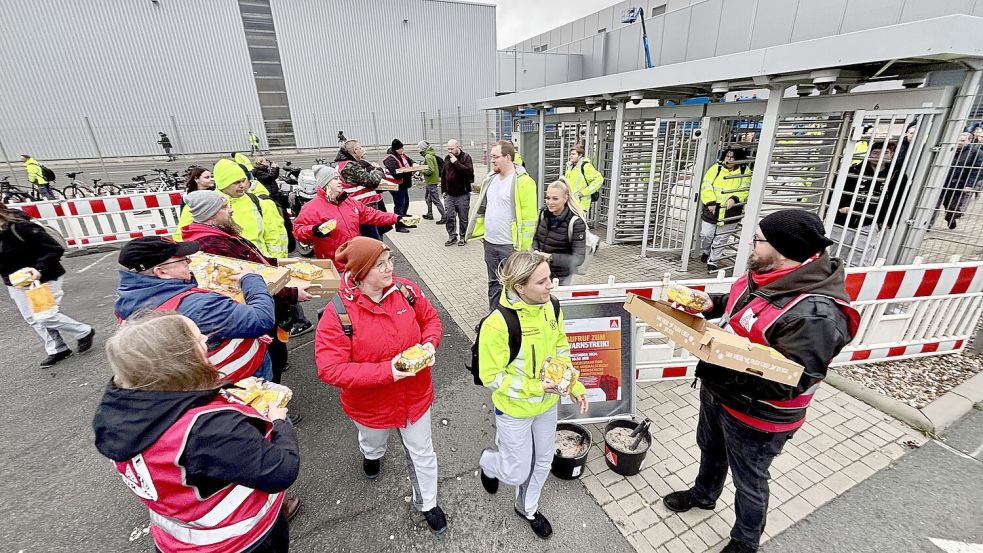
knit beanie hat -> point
(204, 204)
(396, 145)
(227, 172)
(423, 145)
(796, 233)
(243, 159)
(323, 174)
(359, 255)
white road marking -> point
(950, 546)
(976, 452)
(957, 452)
(94, 263)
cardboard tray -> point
(276, 277)
(387, 186)
(713, 344)
(410, 169)
(325, 287)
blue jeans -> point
(727, 442)
(401, 201)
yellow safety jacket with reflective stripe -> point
(34, 171)
(716, 188)
(584, 180)
(526, 211)
(274, 231)
(517, 159)
(516, 387)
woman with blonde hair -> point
(561, 233)
(211, 470)
(525, 407)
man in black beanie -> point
(396, 159)
(792, 299)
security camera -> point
(590, 101)
(637, 97)
(805, 89)
(720, 88)
(697, 133)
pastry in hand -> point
(687, 298)
(559, 371)
(326, 227)
(414, 360)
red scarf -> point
(764, 279)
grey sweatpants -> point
(432, 198)
(714, 239)
(524, 456)
(421, 460)
(49, 330)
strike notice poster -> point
(595, 349)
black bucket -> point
(570, 468)
(625, 464)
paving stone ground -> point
(843, 442)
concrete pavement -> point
(62, 496)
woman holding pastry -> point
(212, 470)
(376, 342)
(332, 218)
(525, 401)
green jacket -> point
(431, 175)
(526, 211)
(34, 172)
(584, 179)
(516, 387)
(716, 188)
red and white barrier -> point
(906, 312)
(98, 220)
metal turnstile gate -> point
(671, 183)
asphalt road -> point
(60, 495)
(935, 492)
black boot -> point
(684, 501)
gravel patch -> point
(916, 382)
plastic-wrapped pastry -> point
(259, 393)
(414, 360)
(327, 226)
(687, 298)
(559, 371)
(305, 270)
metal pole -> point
(762, 160)
(9, 167)
(92, 135)
(375, 130)
(649, 192)
(440, 128)
(619, 139)
(541, 166)
(460, 126)
(177, 137)
(487, 140)
(423, 123)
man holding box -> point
(793, 299)
(158, 278)
(216, 233)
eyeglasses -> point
(754, 241)
(494, 157)
(185, 260)
(382, 264)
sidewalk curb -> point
(933, 418)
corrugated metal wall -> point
(345, 60)
(128, 66)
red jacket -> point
(361, 365)
(347, 212)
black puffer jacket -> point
(553, 237)
(25, 244)
(811, 334)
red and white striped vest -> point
(752, 322)
(230, 520)
(234, 358)
(357, 192)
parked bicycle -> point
(78, 188)
(13, 194)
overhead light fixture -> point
(720, 88)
